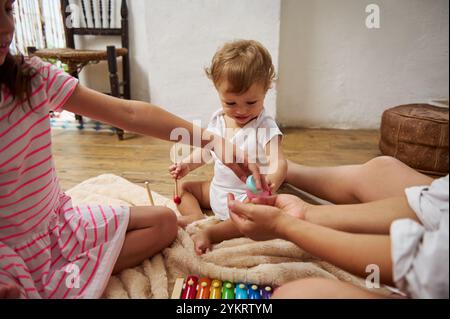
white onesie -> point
(253, 138)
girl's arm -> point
(351, 252)
(148, 119)
(133, 116)
(277, 163)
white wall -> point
(334, 72)
(172, 41)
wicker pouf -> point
(417, 135)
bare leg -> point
(194, 197)
(9, 291)
(204, 239)
(379, 178)
(320, 288)
(150, 230)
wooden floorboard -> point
(83, 155)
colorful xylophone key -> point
(241, 291)
(228, 290)
(205, 288)
(254, 292)
(190, 288)
(267, 292)
(216, 289)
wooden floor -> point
(82, 155)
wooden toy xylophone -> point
(194, 287)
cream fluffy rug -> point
(239, 260)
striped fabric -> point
(49, 248)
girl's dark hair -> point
(16, 75)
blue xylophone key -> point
(254, 293)
(241, 291)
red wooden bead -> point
(177, 200)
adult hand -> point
(289, 204)
(259, 222)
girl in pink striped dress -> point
(48, 247)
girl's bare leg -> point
(194, 197)
(377, 179)
(9, 291)
(150, 230)
(320, 288)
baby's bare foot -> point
(202, 243)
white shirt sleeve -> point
(420, 253)
(267, 130)
(215, 124)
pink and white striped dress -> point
(49, 248)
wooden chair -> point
(77, 59)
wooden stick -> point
(149, 192)
(176, 187)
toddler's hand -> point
(202, 242)
(178, 171)
(270, 185)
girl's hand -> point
(178, 171)
(238, 161)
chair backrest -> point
(95, 17)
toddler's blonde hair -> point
(242, 63)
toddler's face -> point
(245, 107)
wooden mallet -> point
(149, 192)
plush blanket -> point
(239, 260)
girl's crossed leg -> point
(150, 230)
